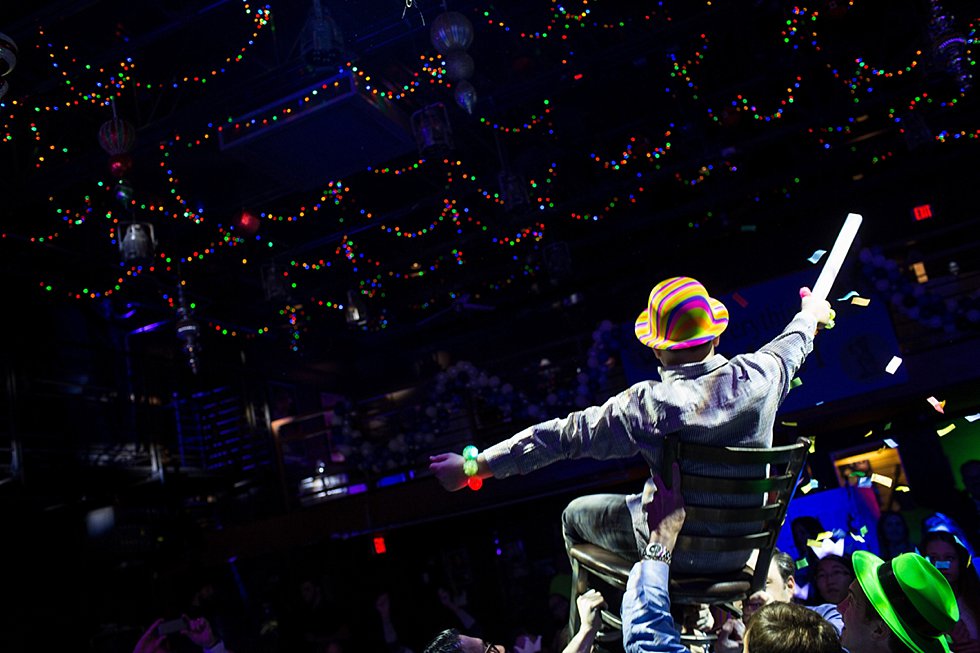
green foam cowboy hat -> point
(911, 596)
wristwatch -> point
(657, 551)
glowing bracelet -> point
(471, 467)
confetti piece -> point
(857, 538)
(802, 564)
(813, 544)
(869, 433)
(853, 293)
(942, 564)
(972, 418)
(817, 255)
(823, 536)
(813, 445)
(891, 443)
(806, 489)
(864, 529)
(893, 365)
(814, 483)
(888, 426)
(902, 488)
(938, 405)
(882, 479)
(860, 301)
(741, 301)
(942, 432)
(864, 482)
(796, 383)
(797, 423)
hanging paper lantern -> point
(117, 136)
(465, 95)
(8, 54)
(138, 242)
(120, 165)
(432, 131)
(459, 65)
(451, 31)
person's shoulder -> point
(829, 613)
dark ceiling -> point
(725, 140)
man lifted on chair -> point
(702, 397)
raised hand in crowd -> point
(589, 607)
(151, 641)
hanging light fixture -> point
(321, 43)
(356, 310)
(188, 330)
(432, 131)
(138, 242)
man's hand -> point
(448, 470)
(754, 602)
(200, 633)
(664, 508)
(150, 642)
(818, 308)
(962, 643)
(527, 644)
(730, 636)
(589, 605)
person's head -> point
(833, 575)
(789, 628)
(450, 641)
(892, 528)
(681, 322)
(970, 473)
(948, 555)
(780, 584)
(900, 606)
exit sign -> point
(922, 212)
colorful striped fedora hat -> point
(679, 315)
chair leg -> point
(580, 579)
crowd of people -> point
(909, 596)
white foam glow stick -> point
(835, 260)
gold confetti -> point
(860, 301)
(942, 432)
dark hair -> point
(784, 563)
(968, 586)
(790, 628)
(445, 642)
(883, 544)
(969, 463)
